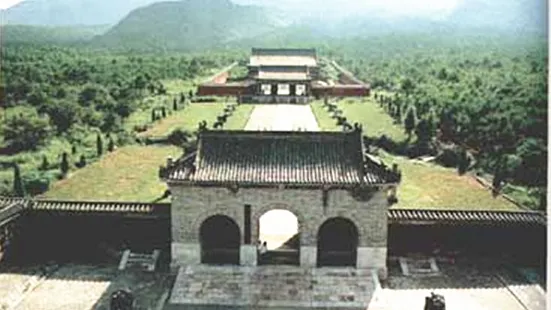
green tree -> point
(99, 145)
(45, 165)
(409, 122)
(26, 131)
(64, 166)
(111, 145)
(18, 187)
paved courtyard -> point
(282, 117)
(273, 287)
(73, 286)
(464, 286)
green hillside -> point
(49, 34)
(187, 25)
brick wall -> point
(193, 205)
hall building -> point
(338, 193)
(283, 76)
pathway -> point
(280, 225)
(282, 117)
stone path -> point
(279, 287)
(282, 117)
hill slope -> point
(188, 25)
(49, 34)
(69, 12)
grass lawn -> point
(430, 186)
(325, 122)
(373, 118)
(187, 118)
(240, 117)
(424, 185)
(128, 174)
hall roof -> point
(283, 57)
(279, 158)
(283, 76)
(283, 73)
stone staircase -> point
(271, 287)
(141, 260)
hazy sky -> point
(4, 4)
(392, 7)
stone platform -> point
(271, 287)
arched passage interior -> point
(220, 241)
(337, 243)
(280, 230)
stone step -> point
(270, 287)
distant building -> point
(283, 76)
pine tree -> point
(99, 145)
(18, 187)
(163, 112)
(153, 115)
(182, 98)
(175, 104)
(190, 95)
(111, 145)
(409, 122)
(45, 164)
(64, 166)
(82, 161)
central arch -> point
(337, 243)
(279, 228)
(220, 241)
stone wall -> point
(191, 206)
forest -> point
(485, 97)
(61, 105)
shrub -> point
(178, 137)
(82, 162)
(37, 182)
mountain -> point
(189, 25)
(50, 34)
(69, 12)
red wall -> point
(221, 90)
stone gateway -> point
(338, 194)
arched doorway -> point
(279, 229)
(337, 243)
(220, 241)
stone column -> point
(308, 256)
(185, 254)
(247, 255)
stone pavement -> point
(271, 287)
(463, 286)
(282, 117)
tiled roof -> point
(395, 216)
(461, 217)
(10, 207)
(285, 76)
(279, 60)
(102, 207)
(293, 158)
